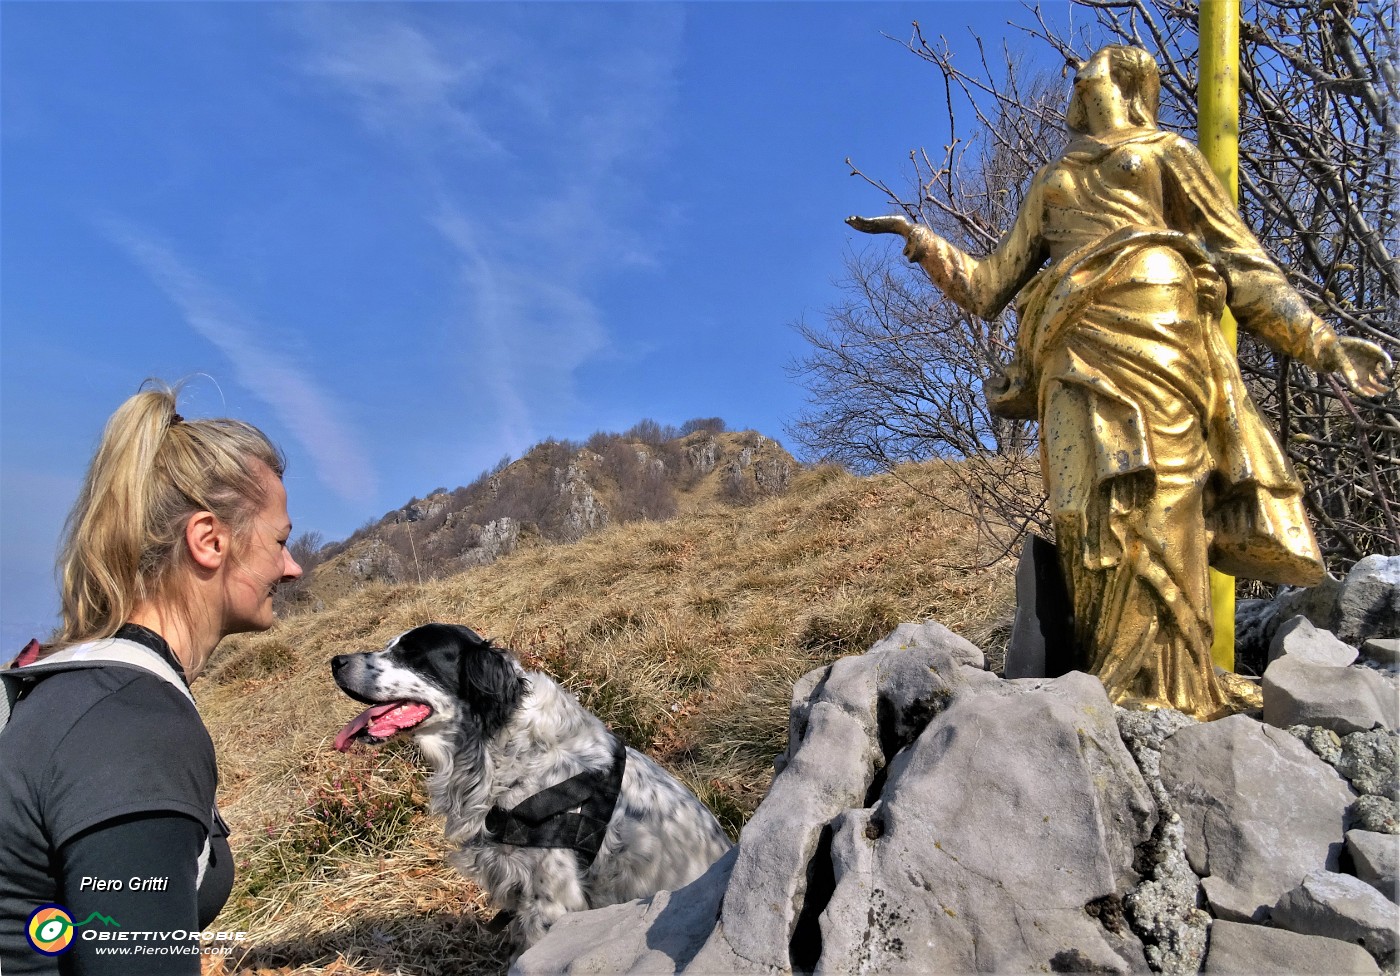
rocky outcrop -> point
(583, 513)
(495, 539)
(1363, 605)
(702, 453)
(376, 562)
(420, 509)
(931, 817)
(761, 468)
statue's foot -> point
(1239, 693)
(1244, 695)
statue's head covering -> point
(1135, 74)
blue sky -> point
(408, 239)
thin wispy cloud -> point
(568, 108)
(530, 331)
(398, 81)
(297, 400)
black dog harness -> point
(573, 814)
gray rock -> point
(830, 772)
(931, 634)
(847, 721)
(1376, 858)
(1365, 605)
(1042, 633)
(1260, 811)
(1237, 949)
(1325, 744)
(1162, 909)
(703, 454)
(668, 933)
(1382, 651)
(584, 512)
(1299, 638)
(1256, 621)
(1380, 814)
(1344, 700)
(1039, 759)
(1369, 602)
(495, 539)
(1338, 906)
(1371, 762)
(928, 816)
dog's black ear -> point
(469, 637)
(491, 685)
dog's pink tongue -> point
(405, 715)
(382, 721)
(353, 727)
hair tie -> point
(176, 419)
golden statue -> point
(1156, 462)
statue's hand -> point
(882, 225)
(1365, 366)
(915, 236)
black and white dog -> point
(552, 812)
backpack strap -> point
(117, 652)
(109, 652)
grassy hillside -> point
(684, 636)
(559, 491)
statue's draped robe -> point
(1155, 460)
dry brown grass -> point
(684, 636)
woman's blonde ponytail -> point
(152, 470)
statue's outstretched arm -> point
(1261, 298)
(983, 286)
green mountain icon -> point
(104, 919)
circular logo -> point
(50, 929)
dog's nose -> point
(338, 661)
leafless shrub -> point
(642, 486)
(308, 549)
(711, 425)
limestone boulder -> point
(928, 816)
(1238, 949)
(1376, 858)
(1305, 642)
(932, 634)
(847, 720)
(1339, 906)
(1368, 604)
(671, 932)
(1382, 652)
(1040, 759)
(1355, 699)
(1362, 606)
(1261, 812)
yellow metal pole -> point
(1218, 132)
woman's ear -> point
(207, 539)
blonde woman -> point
(107, 775)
